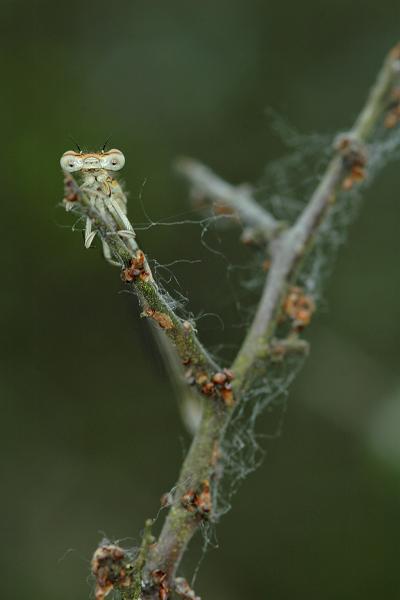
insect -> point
(104, 192)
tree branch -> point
(259, 223)
(195, 493)
(136, 272)
(292, 246)
(287, 251)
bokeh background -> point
(91, 435)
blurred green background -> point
(91, 435)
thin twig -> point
(254, 217)
(137, 273)
(147, 540)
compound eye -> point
(71, 161)
(113, 160)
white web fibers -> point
(284, 190)
(384, 148)
(211, 230)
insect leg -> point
(121, 218)
(108, 256)
(126, 231)
(100, 205)
(89, 234)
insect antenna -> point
(103, 148)
(76, 144)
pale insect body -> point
(103, 190)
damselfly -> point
(103, 191)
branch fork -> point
(193, 498)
